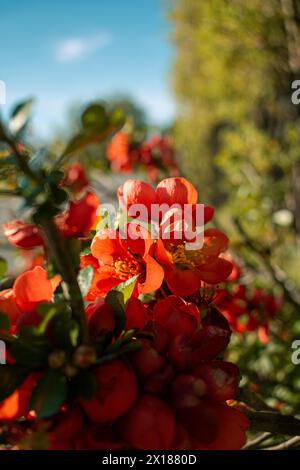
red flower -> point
(80, 217)
(137, 314)
(185, 269)
(75, 178)
(150, 425)
(116, 392)
(169, 191)
(248, 310)
(101, 318)
(214, 426)
(176, 316)
(120, 260)
(23, 235)
(76, 221)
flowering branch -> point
(56, 245)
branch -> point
(20, 160)
(9, 192)
(63, 262)
(274, 422)
(256, 441)
(285, 445)
(278, 276)
(56, 247)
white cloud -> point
(76, 48)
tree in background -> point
(238, 137)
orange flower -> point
(185, 268)
(17, 404)
(121, 259)
(119, 153)
(29, 290)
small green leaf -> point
(126, 288)
(11, 377)
(118, 298)
(4, 321)
(94, 118)
(117, 118)
(20, 115)
(49, 394)
(48, 311)
(3, 267)
(85, 279)
(65, 331)
(30, 348)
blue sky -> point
(65, 51)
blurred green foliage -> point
(239, 142)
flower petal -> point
(154, 276)
(182, 282)
(106, 246)
(176, 190)
(31, 288)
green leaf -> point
(65, 331)
(118, 298)
(129, 347)
(94, 118)
(4, 321)
(11, 377)
(48, 311)
(3, 267)
(49, 394)
(30, 348)
(84, 385)
(20, 115)
(126, 288)
(85, 279)
(117, 118)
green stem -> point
(63, 262)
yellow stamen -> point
(125, 268)
(187, 258)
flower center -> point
(127, 268)
(187, 258)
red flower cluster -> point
(156, 153)
(248, 309)
(185, 270)
(168, 388)
(170, 393)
